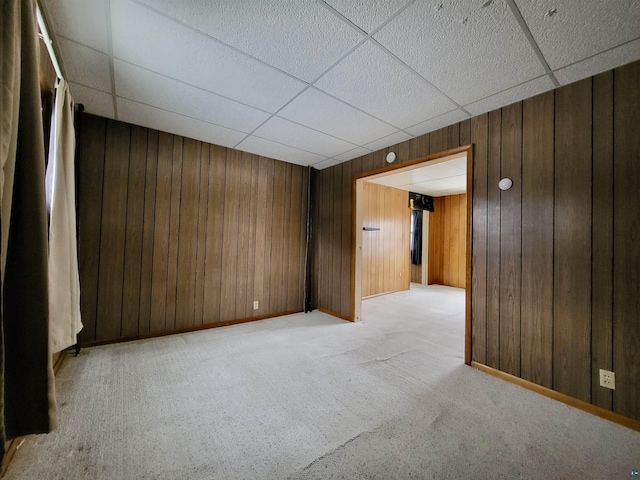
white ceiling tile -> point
(143, 86)
(387, 141)
(267, 148)
(183, 54)
(440, 121)
(299, 37)
(580, 28)
(466, 51)
(351, 154)
(371, 80)
(616, 57)
(288, 133)
(164, 121)
(329, 162)
(367, 14)
(512, 95)
(85, 65)
(318, 110)
(80, 20)
(94, 101)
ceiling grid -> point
(319, 82)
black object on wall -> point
(420, 201)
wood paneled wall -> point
(555, 259)
(416, 273)
(385, 253)
(176, 234)
(448, 241)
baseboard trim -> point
(206, 326)
(335, 314)
(561, 397)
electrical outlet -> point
(256, 304)
(607, 379)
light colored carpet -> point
(313, 397)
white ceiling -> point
(447, 176)
(321, 82)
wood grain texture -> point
(576, 298)
(134, 231)
(215, 234)
(188, 234)
(233, 184)
(511, 240)
(493, 239)
(91, 150)
(161, 234)
(146, 267)
(572, 242)
(112, 231)
(174, 232)
(479, 137)
(201, 246)
(602, 238)
(345, 269)
(385, 252)
(173, 238)
(447, 241)
(626, 266)
(537, 240)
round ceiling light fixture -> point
(391, 157)
(505, 184)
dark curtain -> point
(416, 237)
(28, 400)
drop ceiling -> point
(445, 176)
(322, 82)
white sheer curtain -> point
(64, 284)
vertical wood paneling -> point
(146, 268)
(465, 132)
(215, 233)
(242, 240)
(479, 137)
(114, 202)
(278, 228)
(511, 240)
(91, 146)
(626, 267)
(201, 249)
(439, 140)
(293, 247)
(572, 242)
(453, 135)
(268, 262)
(261, 211)
(345, 294)
(422, 146)
(134, 231)
(253, 209)
(385, 253)
(188, 234)
(233, 179)
(447, 241)
(161, 234)
(174, 232)
(336, 236)
(554, 262)
(602, 238)
(182, 240)
(537, 239)
(303, 234)
(493, 239)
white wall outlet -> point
(256, 305)
(607, 379)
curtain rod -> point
(48, 42)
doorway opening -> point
(411, 173)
